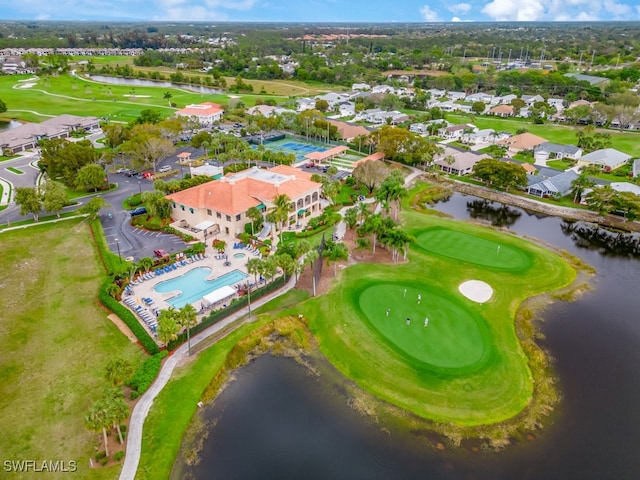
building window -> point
(218, 214)
(209, 212)
(182, 207)
(191, 210)
(228, 218)
(238, 217)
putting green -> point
(455, 339)
(474, 249)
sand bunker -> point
(476, 291)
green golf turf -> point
(455, 339)
(474, 249)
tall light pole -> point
(139, 187)
(118, 247)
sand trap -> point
(24, 85)
(136, 96)
(476, 291)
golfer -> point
(419, 299)
(408, 321)
(388, 310)
(426, 321)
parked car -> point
(147, 175)
(131, 173)
(160, 253)
(122, 170)
(164, 168)
(138, 211)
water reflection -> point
(137, 82)
(498, 214)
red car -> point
(160, 253)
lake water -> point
(136, 82)
(275, 421)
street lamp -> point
(139, 187)
(118, 247)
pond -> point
(275, 421)
(8, 125)
(136, 82)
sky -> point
(320, 10)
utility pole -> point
(593, 55)
(580, 61)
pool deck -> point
(146, 290)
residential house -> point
(454, 96)
(557, 103)
(457, 162)
(305, 103)
(349, 131)
(521, 142)
(501, 111)
(264, 110)
(530, 100)
(485, 136)
(361, 86)
(378, 116)
(592, 79)
(222, 204)
(580, 103)
(206, 113)
(506, 99)
(453, 132)
(419, 128)
(626, 187)
(479, 97)
(347, 109)
(550, 183)
(26, 136)
(548, 150)
(382, 89)
(607, 159)
(332, 99)
(435, 93)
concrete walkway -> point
(140, 411)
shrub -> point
(147, 373)
(127, 317)
(100, 455)
(119, 455)
(135, 200)
(134, 395)
(104, 461)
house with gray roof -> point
(550, 183)
(607, 159)
(26, 137)
(458, 162)
(555, 150)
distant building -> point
(206, 113)
(522, 142)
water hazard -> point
(275, 421)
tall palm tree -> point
(98, 418)
(187, 318)
(118, 409)
(254, 266)
(580, 184)
(310, 259)
(254, 214)
(167, 325)
(146, 263)
(280, 209)
(335, 253)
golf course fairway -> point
(467, 366)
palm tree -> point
(286, 263)
(146, 263)
(310, 259)
(118, 371)
(187, 318)
(334, 253)
(254, 214)
(280, 210)
(254, 266)
(270, 267)
(167, 325)
(97, 419)
(117, 407)
(580, 184)
(113, 290)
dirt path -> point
(123, 327)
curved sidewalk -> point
(140, 411)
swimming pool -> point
(194, 285)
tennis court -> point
(297, 148)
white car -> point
(164, 168)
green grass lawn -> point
(15, 170)
(56, 341)
(396, 362)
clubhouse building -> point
(220, 206)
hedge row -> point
(329, 222)
(146, 374)
(127, 317)
(218, 315)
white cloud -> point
(455, 19)
(459, 8)
(519, 10)
(429, 15)
(231, 4)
